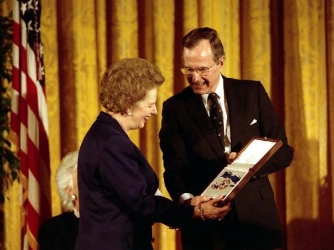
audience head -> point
(66, 179)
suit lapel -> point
(197, 111)
(235, 102)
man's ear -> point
(221, 61)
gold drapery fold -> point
(307, 126)
(287, 45)
(329, 17)
(163, 23)
(255, 41)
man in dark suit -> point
(193, 154)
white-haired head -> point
(66, 179)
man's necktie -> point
(216, 117)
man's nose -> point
(195, 76)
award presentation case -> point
(238, 172)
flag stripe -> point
(29, 120)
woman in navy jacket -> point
(117, 186)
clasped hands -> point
(208, 208)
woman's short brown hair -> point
(127, 82)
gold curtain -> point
(287, 45)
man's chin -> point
(200, 90)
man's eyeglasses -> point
(202, 71)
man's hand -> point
(232, 156)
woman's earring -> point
(73, 197)
(128, 113)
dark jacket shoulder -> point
(58, 232)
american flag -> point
(29, 120)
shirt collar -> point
(219, 91)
